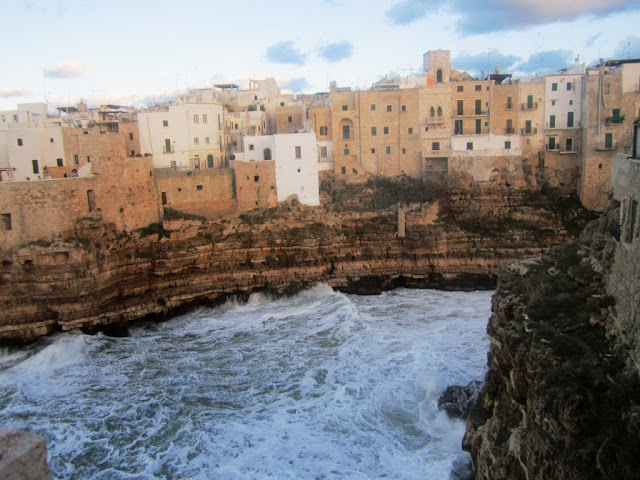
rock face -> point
(561, 397)
(102, 277)
(457, 400)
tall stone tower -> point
(437, 64)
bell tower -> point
(437, 64)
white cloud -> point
(14, 92)
(69, 70)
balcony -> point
(529, 131)
(509, 131)
(529, 106)
(604, 147)
(576, 124)
(168, 150)
(552, 148)
(615, 120)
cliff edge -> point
(561, 397)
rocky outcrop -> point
(102, 278)
(561, 397)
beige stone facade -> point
(289, 119)
(256, 184)
(121, 192)
(320, 118)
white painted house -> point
(188, 136)
(296, 163)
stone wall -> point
(202, 192)
(121, 193)
(256, 184)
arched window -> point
(432, 112)
(267, 154)
(439, 111)
(209, 161)
(439, 76)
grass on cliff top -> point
(173, 214)
(379, 193)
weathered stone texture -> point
(22, 456)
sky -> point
(133, 52)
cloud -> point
(69, 70)
(296, 85)
(627, 48)
(545, 62)
(285, 52)
(484, 61)
(498, 15)
(14, 92)
(334, 52)
(592, 39)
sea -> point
(318, 385)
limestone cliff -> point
(99, 278)
(562, 394)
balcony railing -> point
(529, 131)
(576, 124)
(168, 150)
(603, 147)
(509, 131)
(614, 120)
(552, 148)
(529, 106)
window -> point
(209, 161)
(133, 153)
(509, 127)
(460, 88)
(130, 136)
(196, 118)
(266, 153)
(568, 144)
(50, 140)
(256, 178)
(76, 160)
(34, 164)
(298, 152)
(570, 102)
(458, 127)
(15, 118)
(568, 85)
(343, 170)
(529, 102)
(374, 131)
(608, 141)
(196, 140)
(552, 143)
(439, 76)
(19, 142)
(478, 88)
(346, 134)
(553, 102)
(290, 119)
(323, 131)
(404, 108)
(88, 159)
(165, 123)
(432, 112)
(509, 103)
(60, 162)
(439, 111)
(388, 150)
(5, 225)
(323, 152)
(404, 151)
(207, 140)
(219, 122)
(552, 121)
(251, 146)
(346, 151)
(373, 150)
(204, 118)
(469, 145)
(460, 107)
(198, 187)
(478, 126)
(554, 87)
(478, 107)
(345, 108)
(435, 146)
(410, 130)
(91, 200)
(373, 106)
(389, 108)
(196, 162)
(282, 104)
(507, 144)
(569, 119)
(386, 130)
(607, 88)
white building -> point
(29, 144)
(562, 109)
(188, 136)
(296, 163)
